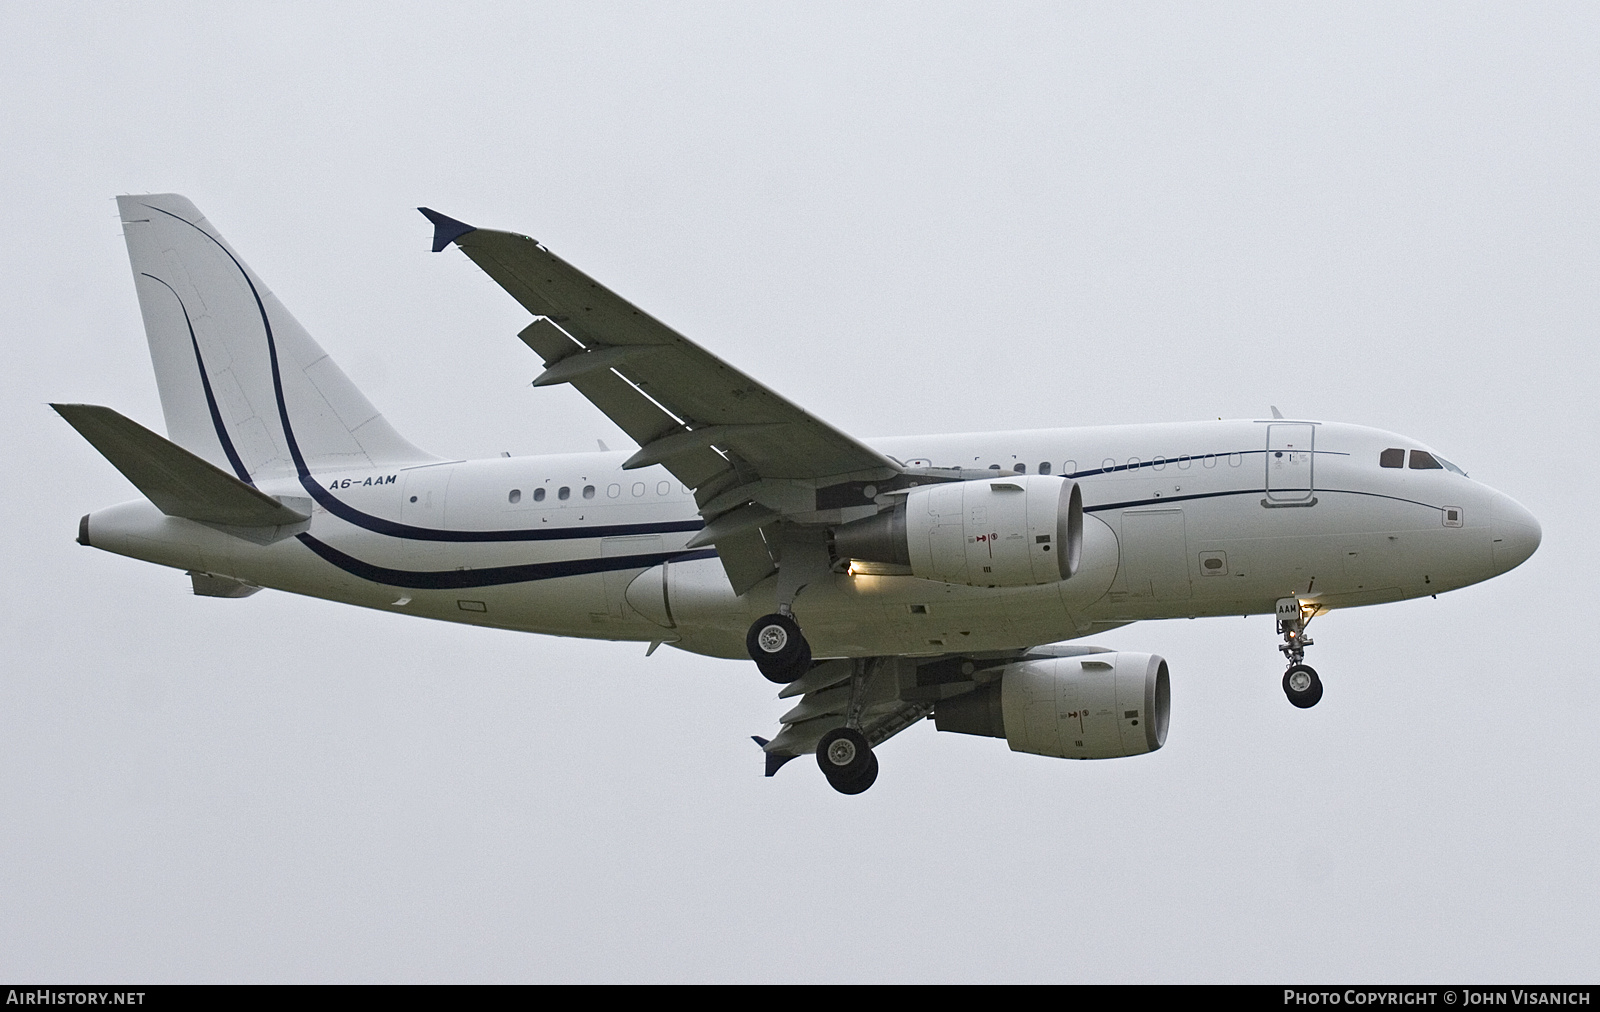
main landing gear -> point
(782, 654)
(778, 648)
(847, 761)
(1300, 682)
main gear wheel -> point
(778, 648)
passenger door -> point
(1291, 461)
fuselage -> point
(1181, 520)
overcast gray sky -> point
(907, 218)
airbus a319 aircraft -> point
(879, 582)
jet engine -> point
(1090, 706)
(1004, 532)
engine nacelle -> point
(999, 532)
(1089, 706)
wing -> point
(882, 696)
(882, 692)
(751, 456)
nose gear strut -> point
(1300, 681)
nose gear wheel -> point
(1302, 686)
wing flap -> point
(745, 559)
(867, 687)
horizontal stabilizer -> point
(178, 482)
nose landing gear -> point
(1300, 682)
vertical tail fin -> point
(242, 384)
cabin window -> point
(994, 467)
(564, 493)
(1392, 458)
(1209, 460)
(1069, 467)
(612, 491)
(1044, 467)
(515, 496)
(1235, 459)
(1020, 468)
(1108, 465)
(663, 488)
(538, 495)
(1184, 462)
(638, 488)
(1158, 463)
(1422, 460)
(588, 491)
(1133, 463)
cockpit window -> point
(1421, 460)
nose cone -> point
(1515, 532)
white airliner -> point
(880, 582)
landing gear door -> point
(1290, 462)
